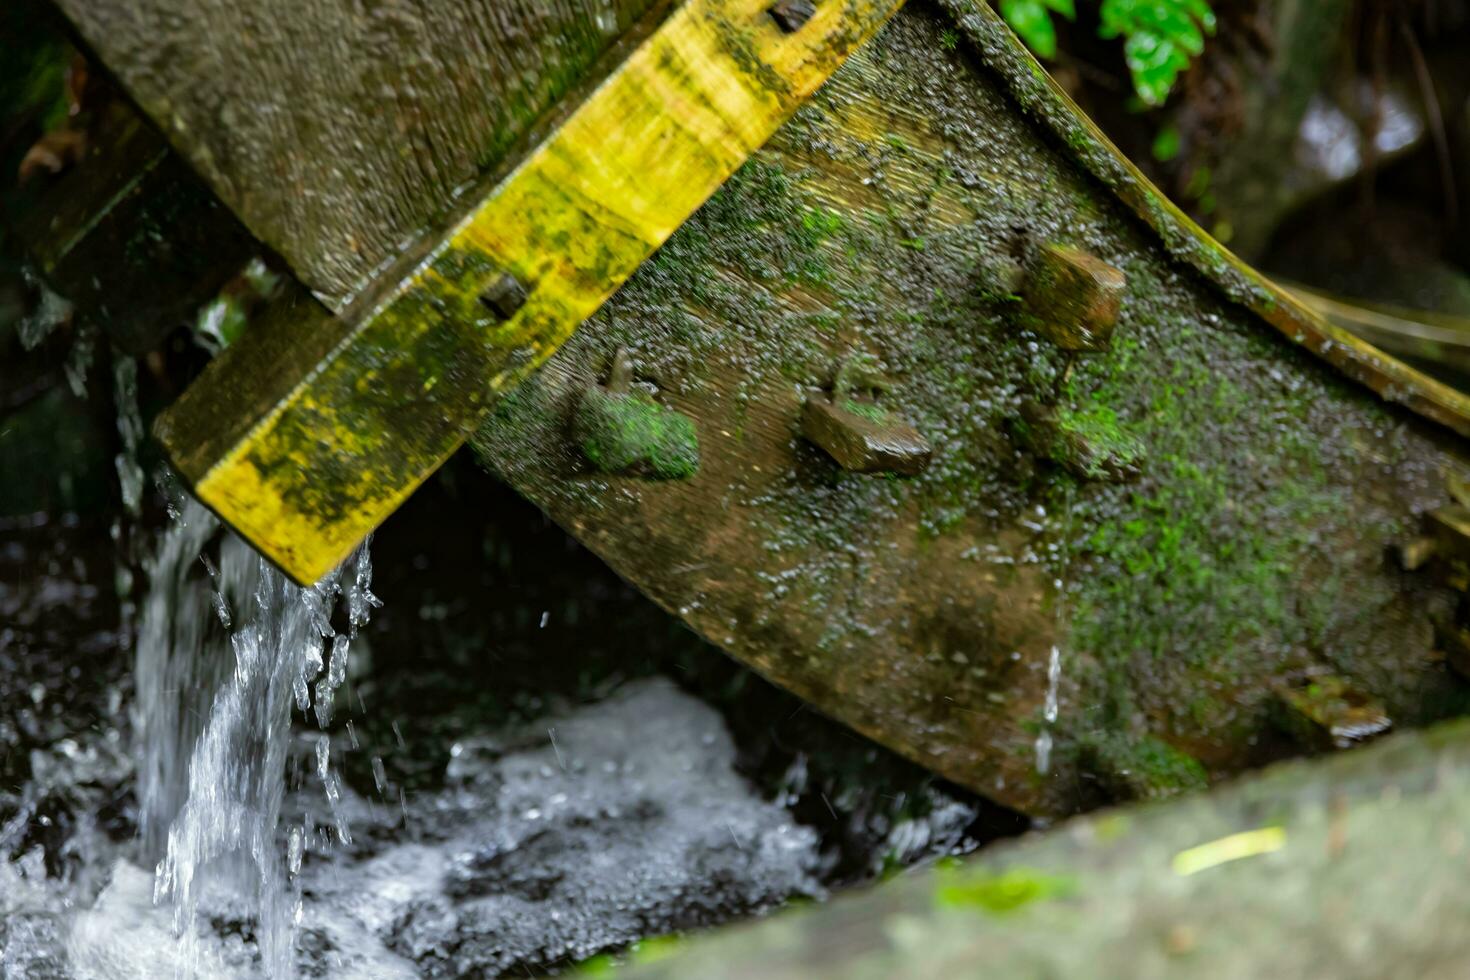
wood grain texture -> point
(338, 129)
(924, 612)
(306, 457)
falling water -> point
(129, 430)
(607, 17)
(1049, 711)
(1060, 550)
(178, 662)
(219, 665)
(50, 311)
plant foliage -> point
(1159, 39)
(1032, 20)
(1159, 36)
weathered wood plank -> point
(336, 129)
(1436, 340)
(924, 612)
(306, 447)
(884, 219)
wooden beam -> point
(338, 130)
(306, 448)
(130, 234)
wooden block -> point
(1088, 444)
(1327, 712)
(620, 429)
(1073, 298)
(864, 438)
(1449, 527)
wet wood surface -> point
(1003, 624)
(335, 129)
(1159, 604)
(130, 234)
(306, 438)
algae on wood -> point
(305, 460)
(925, 611)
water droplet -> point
(294, 851)
(380, 775)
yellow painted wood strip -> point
(415, 369)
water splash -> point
(50, 311)
(607, 17)
(221, 659)
(79, 359)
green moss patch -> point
(622, 432)
(1108, 448)
(1142, 767)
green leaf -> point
(1030, 19)
(1166, 144)
(1159, 39)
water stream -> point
(1049, 711)
(130, 432)
(219, 665)
(526, 823)
(1059, 557)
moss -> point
(621, 432)
(1098, 428)
(867, 410)
(1089, 443)
(1188, 572)
(645, 951)
(998, 893)
(762, 200)
(1141, 768)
